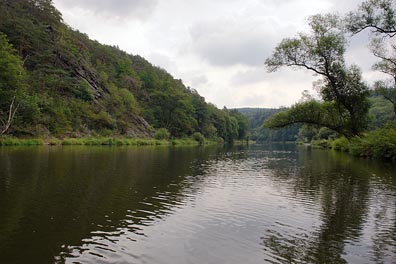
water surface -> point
(262, 204)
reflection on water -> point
(263, 204)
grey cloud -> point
(200, 80)
(256, 99)
(119, 8)
(343, 6)
(358, 52)
(254, 75)
(162, 61)
(231, 42)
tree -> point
(385, 50)
(314, 113)
(341, 87)
(387, 90)
(11, 76)
(377, 15)
(243, 124)
(380, 17)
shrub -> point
(161, 134)
(341, 143)
(199, 138)
(322, 143)
(379, 143)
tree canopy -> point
(340, 86)
(377, 15)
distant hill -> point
(69, 85)
(380, 113)
(257, 117)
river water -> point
(258, 204)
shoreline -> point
(105, 141)
(112, 141)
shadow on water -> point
(349, 190)
(53, 197)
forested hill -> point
(380, 113)
(257, 117)
(60, 83)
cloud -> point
(232, 41)
(140, 9)
(163, 61)
(251, 76)
(200, 80)
(218, 47)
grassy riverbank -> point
(378, 144)
(106, 141)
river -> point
(258, 204)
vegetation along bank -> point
(55, 82)
(343, 114)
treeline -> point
(380, 114)
(55, 81)
(344, 109)
(260, 134)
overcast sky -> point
(216, 47)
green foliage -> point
(341, 144)
(307, 133)
(380, 113)
(162, 133)
(380, 17)
(377, 15)
(256, 132)
(76, 86)
(321, 114)
(8, 141)
(11, 70)
(344, 93)
(197, 136)
(322, 143)
(390, 125)
(15, 102)
(325, 133)
(243, 124)
(380, 144)
(388, 92)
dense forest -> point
(56, 82)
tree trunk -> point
(6, 123)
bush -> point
(321, 143)
(379, 143)
(162, 134)
(341, 143)
(199, 138)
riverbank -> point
(377, 144)
(105, 141)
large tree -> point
(340, 86)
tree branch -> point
(11, 114)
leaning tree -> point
(344, 105)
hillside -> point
(66, 85)
(257, 117)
